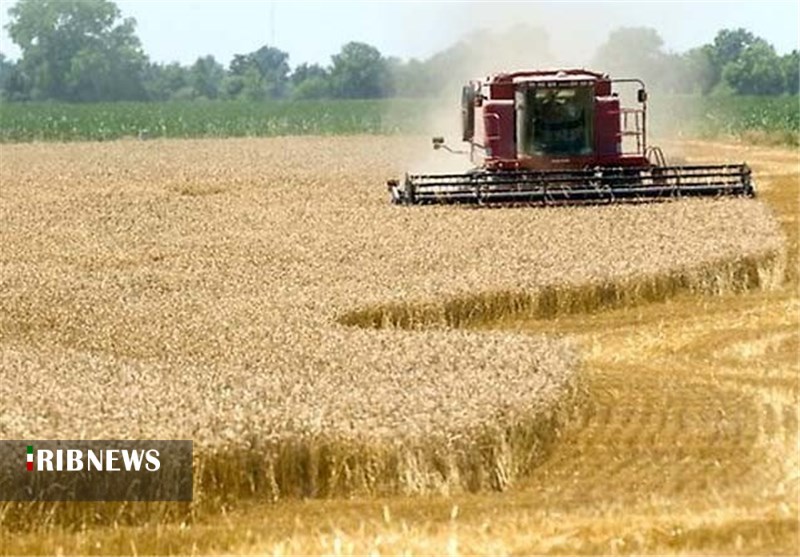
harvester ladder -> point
(638, 127)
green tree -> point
(254, 85)
(728, 45)
(206, 77)
(313, 88)
(273, 64)
(232, 86)
(305, 72)
(7, 73)
(166, 81)
(415, 78)
(480, 53)
(359, 71)
(77, 50)
(756, 70)
(634, 52)
(791, 71)
(266, 68)
(697, 71)
(310, 81)
(14, 85)
(247, 83)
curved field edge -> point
(719, 277)
(492, 457)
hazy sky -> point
(182, 30)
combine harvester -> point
(562, 138)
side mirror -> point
(641, 95)
(468, 95)
(438, 142)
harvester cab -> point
(562, 137)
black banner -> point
(97, 470)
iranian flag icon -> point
(30, 458)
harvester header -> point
(562, 137)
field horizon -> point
(766, 120)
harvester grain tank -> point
(562, 137)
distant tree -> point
(443, 72)
(206, 76)
(254, 85)
(359, 71)
(313, 88)
(244, 80)
(305, 72)
(77, 50)
(480, 53)
(633, 52)
(698, 71)
(232, 86)
(16, 85)
(791, 72)
(8, 70)
(757, 70)
(239, 64)
(83, 50)
(273, 64)
(263, 73)
(247, 84)
(727, 46)
(166, 81)
(310, 81)
(402, 76)
(687, 73)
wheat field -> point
(257, 296)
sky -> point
(183, 30)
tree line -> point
(85, 51)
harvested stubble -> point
(206, 290)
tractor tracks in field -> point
(686, 409)
(676, 408)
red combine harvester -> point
(559, 138)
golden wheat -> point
(207, 290)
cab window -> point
(557, 121)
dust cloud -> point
(494, 38)
(505, 37)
